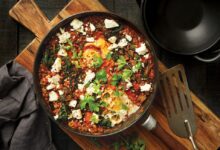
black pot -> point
(187, 27)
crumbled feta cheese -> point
(76, 24)
(81, 30)
(77, 114)
(146, 56)
(90, 39)
(53, 96)
(92, 27)
(81, 97)
(129, 84)
(54, 79)
(63, 36)
(56, 67)
(113, 46)
(56, 117)
(142, 64)
(110, 23)
(89, 76)
(128, 37)
(132, 109)
(90, 90)
(117, 118)
(122, 43)
(61, 92)
(142, 49)
(134, 69)
(145, 87)
(50, 87)
(81, 86)
(112, 39)
(73, 103)
(62, 52)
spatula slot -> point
(171, 95)
(164, 97)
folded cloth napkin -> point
(23, 124)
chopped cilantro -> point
(90, 100)
(115, 79)
(101, 75)
(68, 47)
(103, 104)
(97, 62)
(109, 56)
(117, 93)
(70, 42)
(126, 74)
(121, 62)
(94, 118)
(137, 66)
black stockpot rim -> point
(143, 5)
(40, 54)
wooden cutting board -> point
(29, 14)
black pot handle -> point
(209, 60)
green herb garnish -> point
(121, 62)
(90, 101)
(126, 74)
(117, 93)
(94, 118)
(97, 62)
(115, 79)
(101, 75)
(63, 115)
(109, 56)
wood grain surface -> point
(208, 132)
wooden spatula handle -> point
(39, 25)
(151, 124)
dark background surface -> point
(203, 79)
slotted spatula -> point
(177, 101)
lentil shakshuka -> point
(95, 73)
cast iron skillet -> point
(187, 27)
(133, 118)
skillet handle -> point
(151, 125)
(209, 60)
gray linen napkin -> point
(23, 124)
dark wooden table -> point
(203, 79)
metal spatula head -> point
(177, 101)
